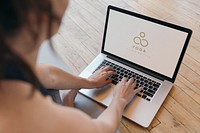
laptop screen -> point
(148, 44)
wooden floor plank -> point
(190, 8)
(186, 119)
(188, 73)
(195, 43)
(154, 123)
(101, 6)
(76, 44)
(71, 55)
(168, 123)
(192, 64)
(133, 128)
(188, 104)
(137, 6)
(194, 53)
(188, 87)
(175, 90)
(182, 21)
(123, 128)
(92, 10)
(59, 45)
(77, 33)
(155, 7)
(85, 22)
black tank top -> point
(13, 72)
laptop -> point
(144, 48)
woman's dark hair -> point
(14, 14)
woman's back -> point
(23, 112)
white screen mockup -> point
(145, 43)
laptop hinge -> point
(137, 67)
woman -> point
(25, 106)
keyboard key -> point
(150, 87)
(155, 89)
(146, 85)
(155, 85)
(133, 76)
(148, 94)
(114, 82)
(144, 96)
(126, 76)
(145, 88)
(158, 83)
(147, 99)
(142, 83)
(153, 92)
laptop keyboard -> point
(149, 86)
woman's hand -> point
(100, 77)
(70, 97)
(124, 91)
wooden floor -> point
(79, 41)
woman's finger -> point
(134, 84)
(108, 68)
(108, 81)
(108, 73)
(130, 81)
(137, 90)
(124, 79)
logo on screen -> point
(140, 40)
(140, 43)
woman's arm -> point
(108, 121)
(123, 94)
(55, 78)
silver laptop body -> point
(148, 47)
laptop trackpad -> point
(102, 95)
